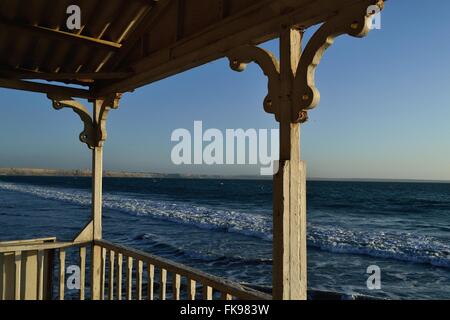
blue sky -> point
(384, 113)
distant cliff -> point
(113, 174)
(73, 173)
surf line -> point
(192, 310)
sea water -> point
(224, 227)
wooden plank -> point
(61, 76)
(191, 289)
(207, 292)
(45, 88)
(27, 241)
(129, 278)
(59, 35)
(111, 275)
(40, 274)
(151, 281)
(18, 271)
(82, 272)
(148, 19)
(62, 273)
(162, 284)
(103, 275)
(140, 266)
(176, 281)
(226, 296)
(119, 276)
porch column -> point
(96, 210)
(289, 186)
(291, 94)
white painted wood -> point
(163, 283)
(82, 272)
(176, 282)
(151, 281)
(111, 274)
(129, 278)
(62, 273)
(191, 289)
(119, 276)
(140, 266)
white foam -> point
(399, 246)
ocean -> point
(224, 227)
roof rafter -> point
(45, 88)
(60, 35)
(147, 20)
(25, 74)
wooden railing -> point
(27, 266)
(162, 279)
(27, 270)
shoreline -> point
(38, 172)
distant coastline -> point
(38, 172)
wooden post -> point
(289, 189)
(97, 177)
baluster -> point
(103, 275)
(139, 279)
(162, 289)
(119, 276)
(176, 280)
(151, 280)
(111, 275)
(207, 292)
(226, 296)
(62, 273)
(129, 278)
(18, 271)
(82, 271)
(40, 274)
(191, 289)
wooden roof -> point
(124, 44)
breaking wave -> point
(399, 246)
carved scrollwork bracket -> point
(354, 21)
(240, 57)
(94, 132)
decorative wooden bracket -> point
(94, 132)
(240, 57)
(354, 21)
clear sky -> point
(385, 109)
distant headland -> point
(116, 174)
(127, 174)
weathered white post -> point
(289, 187)
(96, 210)
(291, 93)
(94, 136)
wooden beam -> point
(255, 25)
(146, 22)
(25, 74)
(45, 88)
(39, 31)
